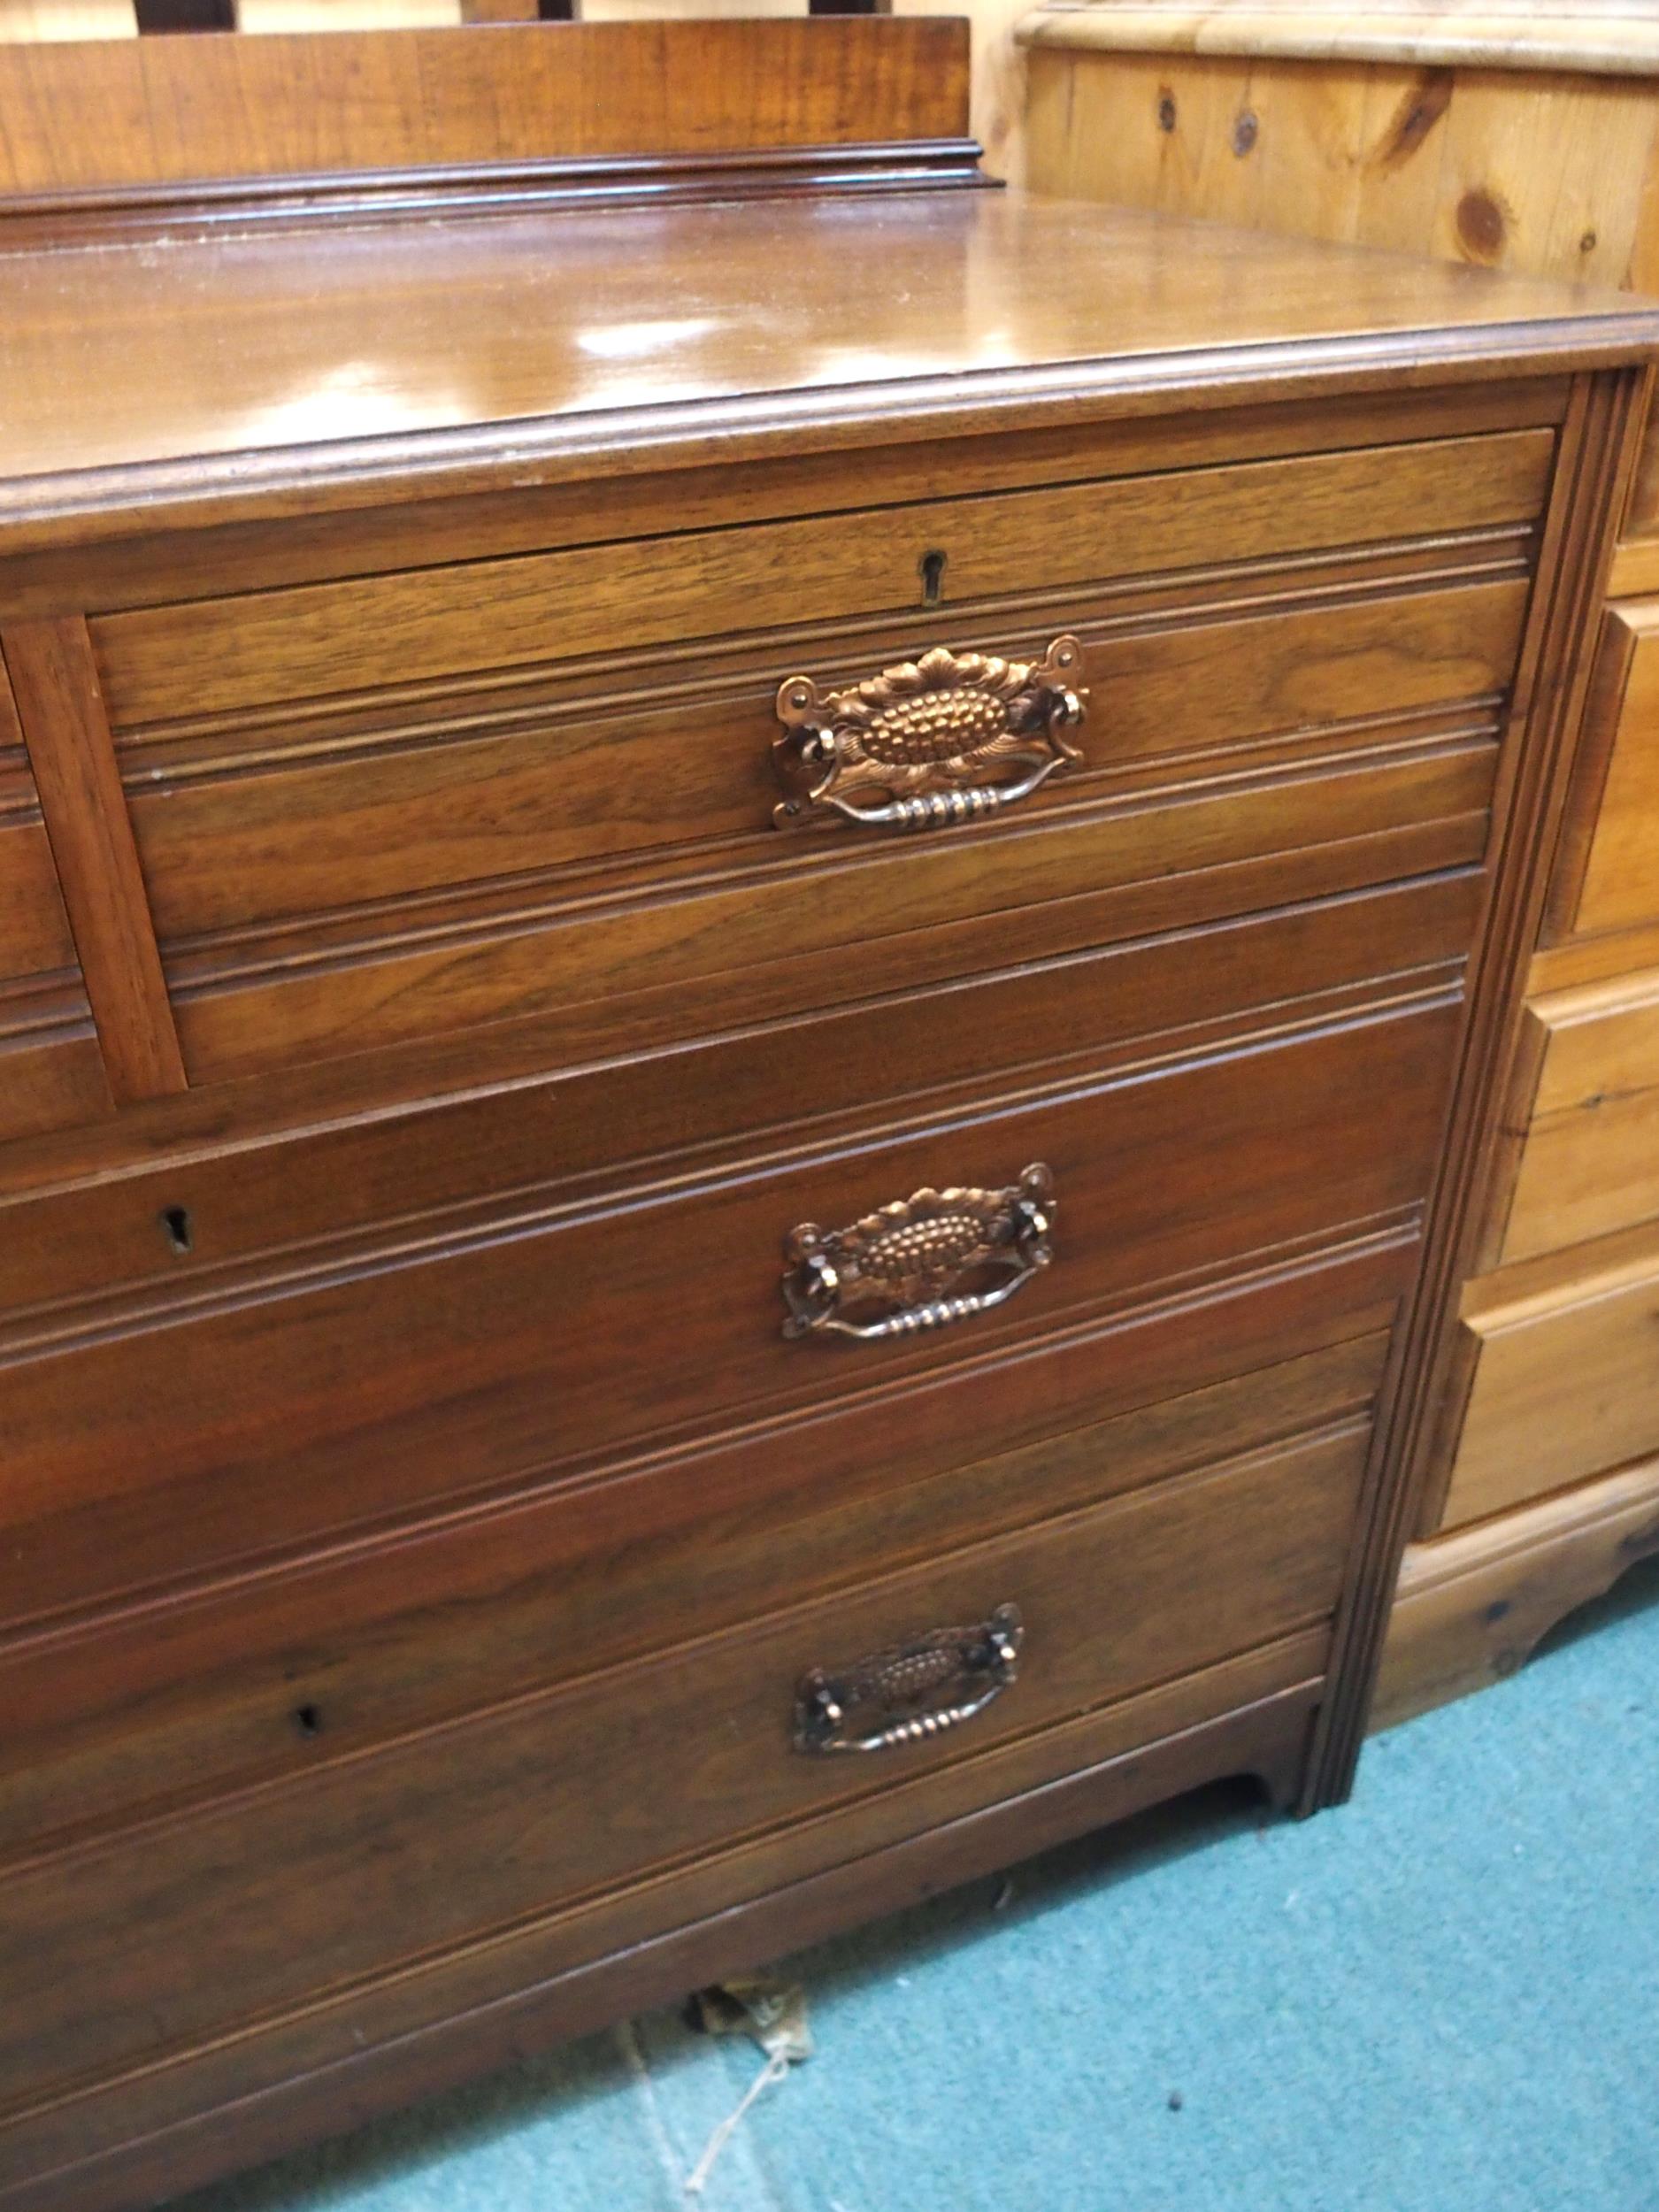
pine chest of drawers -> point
(743, 1043)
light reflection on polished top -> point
(198, 348)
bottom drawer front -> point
(156, 1939)
(1566, 1386)
(484, 2004)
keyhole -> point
(932, 567)
(308, 1719)
(175, 1224)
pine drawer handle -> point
(949, 738)
(916, 1691)
(908, 1257)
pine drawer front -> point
(412, 805)
(258, 1905)
(1590, 1162)
(431, 1360)
(1566, 1384)
(1617, 833)
(215, 1682)
(51, 1071)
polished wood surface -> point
(1606, 881)
(1564, 1382)
(51, 1069)
(1590, 1163)
(429, 1622)
(1418, 127)
(223, 376)
(66, 731)
(505, 1347)
(1610, 37)
(417, 1464)
(209, 658)
(1222, 1561)
(446, 2017)
(156, 112)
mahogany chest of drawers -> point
(745, 1037)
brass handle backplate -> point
(949, 738)
(917, 1690)
(895, 1272)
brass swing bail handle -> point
(895, 1273)
(916, 1691)
(949, 738)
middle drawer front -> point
(248, 1407)
(1565, 1379)
(1589, 1164)
(135, 1945)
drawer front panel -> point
(310, 822)
(320, 639)
(254, 1905)
(285, 1193)
(215, 1684)
(1566, 1386)
(1590, 1163)
(731, 949)
(417, 1366)
(1618, 832)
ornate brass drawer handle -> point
(915, 1691)
(946, 739)
(909, 1255)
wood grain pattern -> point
(1473, 1604)
(304, 416)
(194, 1689)
(1590, 1163)
(283, 1001)
(155, 113)
(340, 2059)
(51, 1071)
(149, 564)
(260, 1187)
(1599, 449)
(208, 657)
(1205, 1566)
(55, 683)
(1424, 157)
(479, 1351)
(1605, 879)
(403, 1453)
(1565, 1384)
(1610, 35)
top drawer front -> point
(417, 804)
(317, 640)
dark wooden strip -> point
(61, 708)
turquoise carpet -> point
(1444, 1998)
